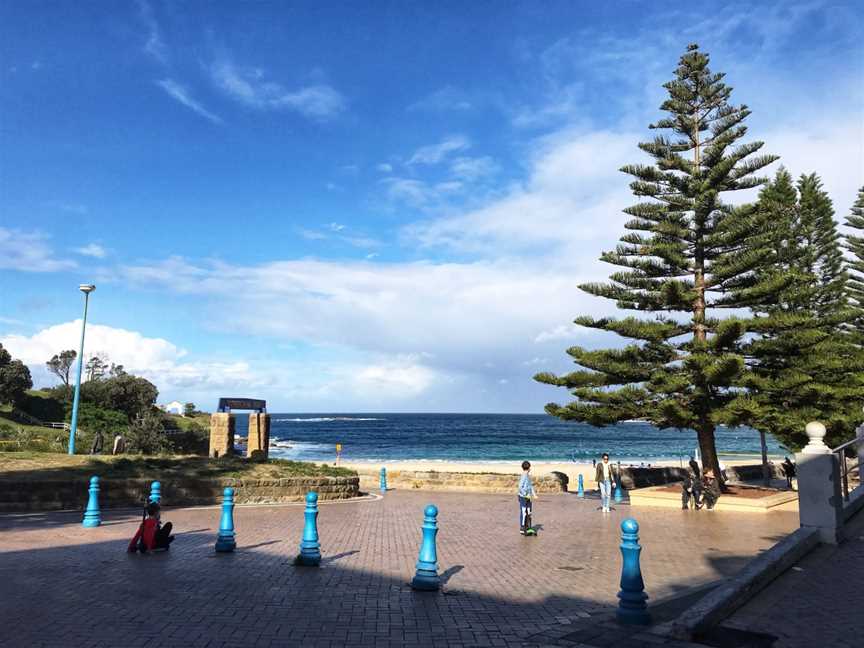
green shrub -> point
(146, 435)
(195, 439)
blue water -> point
(484, 437)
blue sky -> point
(363, 206)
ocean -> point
(485, 438)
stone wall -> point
(644, 477)
(60, 495)
(476, 482)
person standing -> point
(119, 445)
(687, 492)
(526, 493)
(98, 442)
(694, 466)
(605, 478)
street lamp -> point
(86, 289)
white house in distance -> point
(174, 407)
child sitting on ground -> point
(151, 535)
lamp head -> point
(86, 288)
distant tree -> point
(96, 367)
(686, 255)
(132, 395)
(116, 370)
(61, 366)
(15, 378)
(189, 409)
(146, 434)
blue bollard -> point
(225, 539)
(426, 578)
(632, 608)
(580, 490)
(155, 492)
(92, 515)
(382, 480)
(619, 495)
(310, 549)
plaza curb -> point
(736, 591)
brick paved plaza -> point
(63, 585)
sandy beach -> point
(539, 468)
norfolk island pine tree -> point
(854, 243)
(686, 254)
(801, 362)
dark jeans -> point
(524, 513)
(163, 536)
(685, 498)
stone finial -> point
(816, 433)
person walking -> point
(605, 478)
(526, 494)
(788, 471)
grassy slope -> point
(43, 465)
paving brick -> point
(63, 585)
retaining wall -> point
(472, 482)
(61, 495)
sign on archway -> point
(223, 424)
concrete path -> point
(62, 585)
(819, 602)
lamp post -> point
(73, 428)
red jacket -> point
(147, 533)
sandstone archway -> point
(223, 424)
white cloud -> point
(444, 99)
(30, 252)
(574, 194)
(251, 87)
(832, 147)
(410, 191)
(435, 153)
(335, 227)
(472, 169)
(154, 45)
(92, 250)
(457, 312)
(381, 378)
(562, 332)
(403, 373)
(181, 94)
(384, 167)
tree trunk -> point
(766, 476)
(709, 453)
